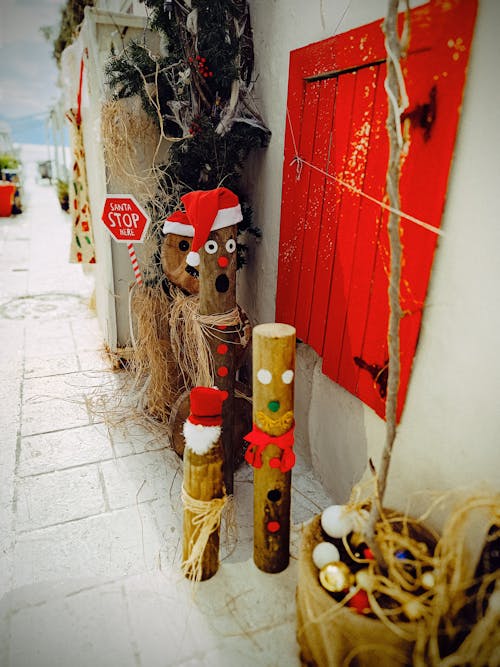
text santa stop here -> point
(127, 223)
(125, 219)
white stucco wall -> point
(448, 435)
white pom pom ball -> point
(324, 553)
(336, 521)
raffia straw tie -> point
(206, 520)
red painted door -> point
(334, 250)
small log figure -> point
(210, 218)
(203, 490)
(270, 443)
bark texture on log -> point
(218, 296)
(273, 362)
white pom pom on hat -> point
(206, 211)
(193, 258)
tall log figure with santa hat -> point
(203, 491)
(270, 449)
(210, 219)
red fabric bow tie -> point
(259, 441)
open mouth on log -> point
(222, 283)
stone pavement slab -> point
(90, 496)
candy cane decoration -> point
(135, 263)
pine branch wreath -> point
(199, 91)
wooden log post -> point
(218, 296)
(203, 486)
(211, 218)
(271, 441)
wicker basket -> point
(332, 636)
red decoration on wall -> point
(334, 250)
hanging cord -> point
(398, 98)
(398, 108)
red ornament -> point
(222, 371)
(360, 602)
(273, 526)
(222, 348)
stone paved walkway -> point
(90, 517)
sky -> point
(28, 73)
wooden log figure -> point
(203, 491)
(270, 449)
(174, 250)
(210, 219)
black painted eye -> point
(274, 495)
(183, 245)
(211, 247)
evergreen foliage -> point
(198, 90)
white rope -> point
(299, 161)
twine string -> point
(190, 334)
(206, 519)
(300, 162)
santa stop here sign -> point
(127, 223)
(125, 219)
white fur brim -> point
(200, 439)
(170, 227)
(224, 218)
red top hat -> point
(206, 406)
(206, 211)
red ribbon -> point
(79, 96)
(259, 441)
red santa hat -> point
(206, 211)
(206, 406)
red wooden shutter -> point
(334, 251)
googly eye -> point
(211, 247)
(264, 376)
(230, 245)
(287, 377)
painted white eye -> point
(211, 247)
(231, 245)
(287, 377)
(264, 376)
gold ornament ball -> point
(336, 577)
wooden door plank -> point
(354, 173)
(320, 156)
(332, 211)
(366, 240)
(293, 212)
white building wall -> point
(448, 436)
